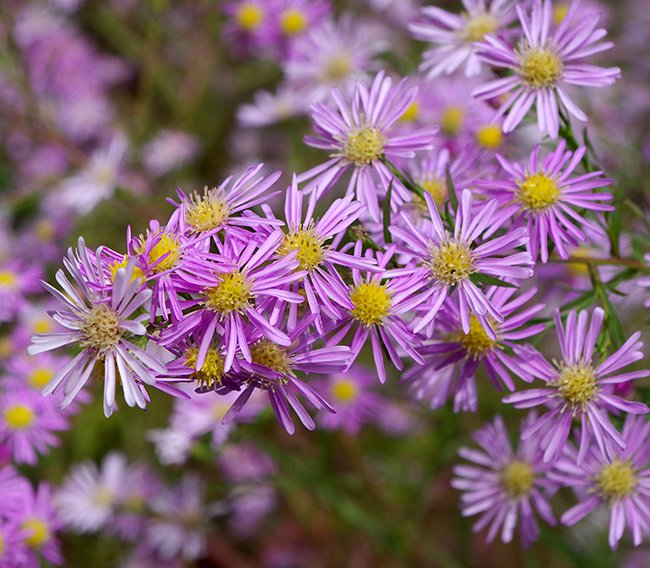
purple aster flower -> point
(16, 280)
(234, 294)
(168, 151)
(543, 197)
(298, 17)
(455, 35)
(448, 262)
(380, 300)
(576, 387)
(13, 550)
(545, 64)
(12, 487)
(619, 479)
(358, 135)
(453, 358)
(28, 423)
(324, 289)
(505, 487)
(98, 321)
(273, 369)
(39, 522)
(250, 25)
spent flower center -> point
(616, 480)
(309, 246)
(540, 68)
(233, 293)
(451, 262)
(364, 146)
(371, 301)
(100, 329)
(271, 355)
(518, 478)
(207, 211)
(538, 192)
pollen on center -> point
(538, 192)
(309, 247)
(364, 146)
(451, 262)
(233, 293)
(372, 302)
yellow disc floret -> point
(19, 416)
(451, 262)
(517, 478)
(344, 390)
(293, 22)
(371, 301)
(8, 279)
(436, 188)
(207, 211)
(309, 247)
(38, 532)
(476, 27)
(560, 11)
(451, 119)
(271, 355)
(576, 384)
(411, 113)
(540, 68)
(137, 272)
(477, 342)
(364, 146)
(538, 192)
(40, 376)
(233, 293)
(489, 136)
(211, 372)
(337, 67)
(100, 329)
(168, 247)
(250, 16)
(616, 480)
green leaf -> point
(490, 281)
(386, 211)
(451, 189)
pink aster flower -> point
(381, 299)
(547, 200)
(358, 135)
(545, 64)
(100, 320)
(13, 551)
(620, 480)
(455, 36)
(28, 423)
(17, 279)
(579, 388)
(505, 487)
(453, 358)
(452, 262)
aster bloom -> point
(448, 262)
(274, 369)
(16, 280)
(324, 289)
(270, 108)
(380, 301)
(221, 207)
(545, 198)
(545, 64)
(13, 550)
(455, 35)
(102, 324)
(358, 135)
(462, 354)
(620, 481)
(250, 25)
(579, 388)
(168, 151)
(297, 17)
(234, 294)
(28, 424)
(505, 487)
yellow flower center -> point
(2, 546)
(8, 279)
(538, 192)
(337, 68)
(559, 12)
(451, 119)
(309, 246)
(451, 262)
(271, 355)
(293, 22)
(6, 347)
(476, 27)
(137, 271)
(211, 373)
(364, 146)
(44, 230)
(100, 329)
(518, 478)
(371, 301)
(103, 497)
(345, 390)
(616, 480)
(42, 325)
(576, 384)
(489, 136)
(436, 188)
(233, 293)
(540, 68)
(476, 342)
(206, 212)
(250, 16)
(19, 416)
(166, 245)
(39, 532)
(40, 376)
(411, 113)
